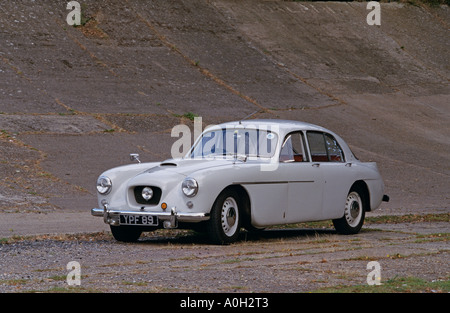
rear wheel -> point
(126, 233)
(354, 213)
(225, 221)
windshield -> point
(235, 141)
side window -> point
(324, 148)
(293, 149)
(335, 153)
(317, 147)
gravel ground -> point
(274, 261)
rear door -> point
(338, 175)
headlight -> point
(104, 185)
(147, 193)
(189, 187)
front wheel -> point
(354, 214)
(225, 221)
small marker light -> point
(163, 205)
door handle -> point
(316, 164)
(348, 164)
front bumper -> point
(170, 219)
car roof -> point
(284, 125)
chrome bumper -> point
(170, 219)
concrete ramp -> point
(75, 101)
(330, 45)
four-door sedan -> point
(250, 174)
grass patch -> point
(431, 3)
(14, 282)
(69, 289)
(134, 283)
(62, 237)
(409, 218)
(386, 219)
(436, 237)
(58, 277)
(189, 115)
(231, 261)
(394, 285)
(309, 225)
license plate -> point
(145, 220)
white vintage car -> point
(250, 174)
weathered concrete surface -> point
(76, 101)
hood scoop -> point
(168, 164)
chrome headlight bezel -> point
(104, 185)
(189, 187)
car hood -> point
(187, 166)
(170, 172)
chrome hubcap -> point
(353, 209)
(229, 216)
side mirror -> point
(135, 157)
